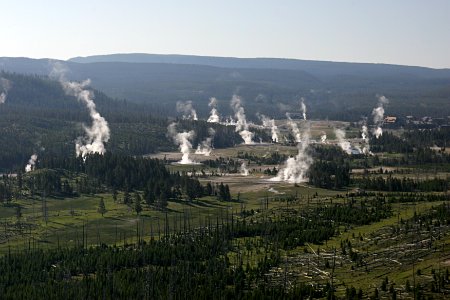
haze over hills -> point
(316, 68)
(335, 90)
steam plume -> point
(270, 123)
(365, 134)
(183, 140)
(214, 115)
(244, 169)
(241, 123)
(99, 132)
(31, 163)
(229, 122)
(187, 110)
(378, 116)
(365, 137)
(323, 138)
(296, 168)
(205, 147)
(343, 143)
(294, 128)
(303, 108)
(5, 85)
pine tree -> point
(162, 202)
(115, 195)
(149, 197)
(222, 192)
(227, 193)
(18, 213)
(101, 207)
(126, 198)
(137, 203)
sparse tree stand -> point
(101, 207)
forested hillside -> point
(335, 90)
(316, 68)
(38, 117)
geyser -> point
(241, 123)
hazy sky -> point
(409, 32)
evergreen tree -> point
(18, 213)
(149, 197)
(137, 203)
(227, 193)
(126, 198)
(114, 194)
(101, 207)
(162, 201)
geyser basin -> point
(179, 163)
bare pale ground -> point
(256, 149)
(388, 169)
(243, 184)
(318, 128)
(256, 181)
(437, 149)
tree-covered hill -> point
(38, 117)
(344, 91)
(316, 68)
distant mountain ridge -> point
(342, 91)
(316, 68)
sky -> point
(405, 32)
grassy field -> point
(67, 217)
(382, 251)
(385, 254)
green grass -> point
(351, 275)
(66, 218)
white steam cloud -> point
(303, 108)
(229, 122)
(5, 85)
(365, 137)
(323, 138)
(378, 132)
(244, 169)
(183, 140)
(31, 163)
(295, 169)
(241, 123)
(343, 143)
(187, 110)
(365, 134)
(214, 114)
(378, 116)
(205, 147)
(294, 128)
(270, 123)
(96, 135)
